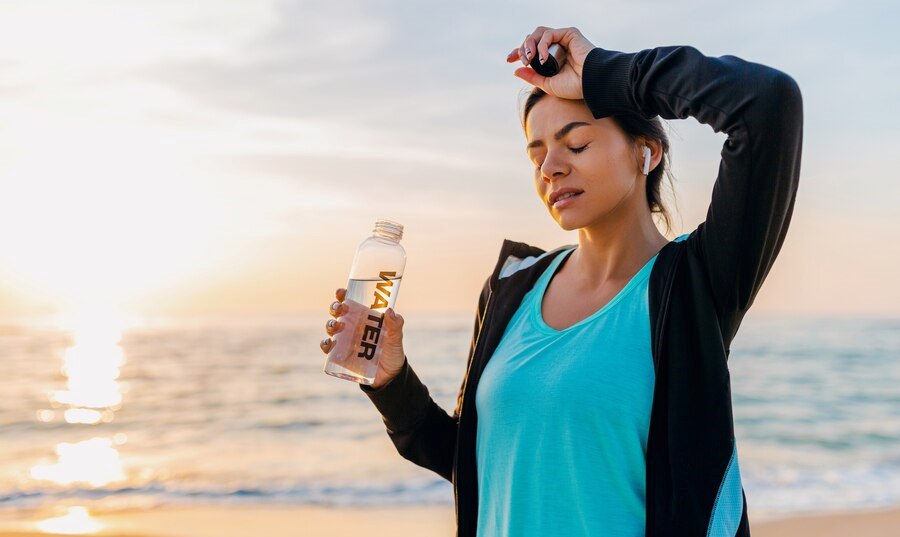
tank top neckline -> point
(642, 274)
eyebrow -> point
(562, 132)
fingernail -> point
(541, 58)
(331, 323)
(335, 305)
(527, 52)
(326, 341)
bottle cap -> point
(553, 63)
(388, 229)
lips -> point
(556, 194)
(565, 201)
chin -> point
(569, 222)
(571, 218)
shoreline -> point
(277, 521)
(872, 522)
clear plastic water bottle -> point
(372, 289)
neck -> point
(618, 245)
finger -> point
(543, 45)
(325, 345)
(534, 37)
(393, 321)
(340, 294)
(333, 326)
(531, 76)
(530, 48)
(337, 307)
(536, 33)
(513, 56)
(549, 36)
(522, 57)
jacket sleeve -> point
(760, 109)
(421, 430)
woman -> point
(603, 404)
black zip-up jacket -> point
(700, 288)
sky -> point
(216, 157)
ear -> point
(655, 153)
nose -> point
(554, 166)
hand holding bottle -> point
(392, 356)
(567, 83)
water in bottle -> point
(371, 289)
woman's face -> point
(591, 155)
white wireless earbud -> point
(646, 160)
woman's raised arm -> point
(760, 109)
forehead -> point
(551, 114)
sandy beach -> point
(385, 522)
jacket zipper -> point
(475, 350)
(462, 403)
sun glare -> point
(91, 366)
(95, 462)
(77, 521)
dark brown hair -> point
(633, 126)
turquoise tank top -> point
(563, 417)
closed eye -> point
(575, 150)
(578, 149)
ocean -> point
(238, 410)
